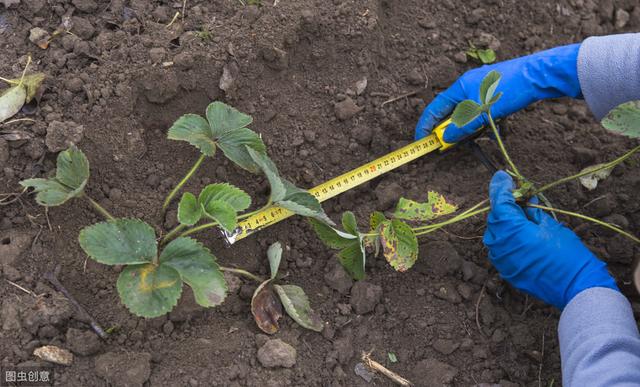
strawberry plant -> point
(156, 267)
(397, 237)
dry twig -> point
(52, 277)
(375, 366)
(394, 99)
(478, 308)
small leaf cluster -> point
(270, 297)
(394, 237)
(484, 55)
(467, 110)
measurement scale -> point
(345, 182)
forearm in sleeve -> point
(599, 340)
(609, 71)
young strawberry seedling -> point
(398, 240)
(155, 268)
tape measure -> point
(345, 182)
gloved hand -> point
(547, 74)
(535, 253)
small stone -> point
(363, 371)
(61, 135)
(228, 77)
(622, 18)
(338, 279)
(276, 353)
(460, 57)
(127, 369)
(346, 109)
(361, 86)
(39, 37)
(444, 346)
(465, 291)
(449, 293)
(560, 109)
(54, 354)
(83, 342)
(415, 78)
(365, 296)
(488, 41)
(74, 84)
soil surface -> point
(121, 76)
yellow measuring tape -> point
(346, 181)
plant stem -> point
(25, 70)
(172, 233)
(198, 228)
(456, 218)
(608, 165)
(590, 219)
(242, 272)
(99, 208)
(502, 148)
(182, 182)
(436, 226)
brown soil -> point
(291, 63)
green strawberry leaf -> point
(435, 206)
(225, 128)
(465, 112)
(223, 213)
(148, 290)
(399, 244)
(197, 267)
(225, 192)
(297, 305)
(189, 210)
(196, 131)
(224, 118)
(488, 86)
(119, 242)
(278, 189)
(274, 254)
(234, 145)
(352, 253)
(486, 56)
(624, 119)
(72, 174)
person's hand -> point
(535, 253)
(548, 74)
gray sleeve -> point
(599, 340)
(609, 71)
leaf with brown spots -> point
(435, 206)
(266, 308)
(399, 244)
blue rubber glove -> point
(535, 253)
(547, 74)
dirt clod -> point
(276, 353)
(61, 135)
(124, 369)
(439, 258)
(83, 342)
(346, 109)
(434, 373)
(365, 296)
(338, 279)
